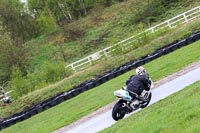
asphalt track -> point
(105, 120)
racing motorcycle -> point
(127, 104)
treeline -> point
(36, 17)
(66, 10)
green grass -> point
(85, 103)
(178, 113)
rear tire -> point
(119, 110)
(146, 103)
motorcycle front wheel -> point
(119, 110)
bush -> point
(49, 73)
(18, 83)
(53, 72)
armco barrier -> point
(87, 85)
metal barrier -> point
(179, 19)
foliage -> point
(53, 72)
(49, 73)
(46, 22)
(16, 21)
(12, 55)
(5, 70)
(67, 10)
(18, 83)
(153, 10)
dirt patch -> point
(110, 106)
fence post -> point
(89, 60)
(168, 23)
(73, 68)
(152, 30)
(105, 53)
(185, 17)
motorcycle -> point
(127, 104)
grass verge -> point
(178, 113)
(72, 110)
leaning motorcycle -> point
(127, 104)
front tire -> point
(119, 110)
(146, 103)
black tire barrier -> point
(103, 79)
(87, 85)
(24, 116)
(40, 109)
(111, 76)
(96, 83)
(90, 86)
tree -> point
(36, 6)
(82, 5)
(59, 43)
(12, 55)
(65, 10)
(60, 10)
(19, 24)
(46, 22)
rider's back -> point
(137, 83)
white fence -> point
(180, 19)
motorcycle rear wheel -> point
(119, 110)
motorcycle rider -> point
(139, 82)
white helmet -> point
(140, 71)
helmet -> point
(140, 71)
